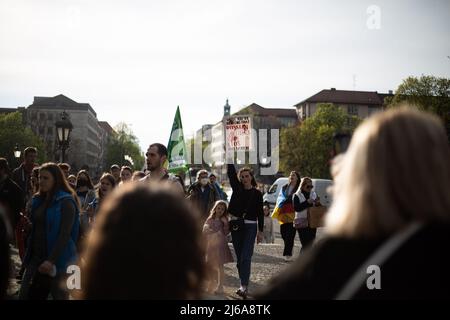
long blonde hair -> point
(395, 171)
(212, 214)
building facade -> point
(356, 103)
(261, 118)
(89, 137)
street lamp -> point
(63, 129)
(264, 161)
(17, 152)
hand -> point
(310, 201)
(259, 237)
(46, 267)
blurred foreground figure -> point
(146, 245)
(5, 235)
(388, 227)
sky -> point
(136, 61)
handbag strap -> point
(377, 258)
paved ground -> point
(267, 262)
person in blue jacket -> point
(53, 237)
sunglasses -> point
(309, 187)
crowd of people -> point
(58, 218)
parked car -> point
(321, 187)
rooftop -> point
(60, 102)
(347, 97)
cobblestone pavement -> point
(267, 262)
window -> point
(352, 110)
(50, 130)
(50, 117)
(273, 189)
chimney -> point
(390, 92)
(333, 89)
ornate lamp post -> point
(63, 129)
(17, 153)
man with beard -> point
(156, 156)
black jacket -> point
(418, 269)
(13, 198)
(245, 201)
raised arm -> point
(232, 176)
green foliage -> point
(307, 147)
(427, 93)
(12, 131)
(206, 150)
(124, 142)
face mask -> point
(204, 181)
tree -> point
(124, 143)
(307, 147)
(12, 132)
(426, 93)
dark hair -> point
(64, 166)
(29, 150)
(60, 182)
(90, 185)
(162, 150)
(110, 178)
(126, 168)
(4, 164)
(251, 174)
(119, 248)
(296, 185)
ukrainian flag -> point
(284, 210)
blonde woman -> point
(303, 199)
(389, 224)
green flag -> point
(176, 147)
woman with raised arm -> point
(246, 203)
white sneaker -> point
(288, 258)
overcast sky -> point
(135, 61)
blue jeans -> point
(243, 243)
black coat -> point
(13, 199)
(418, 269)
